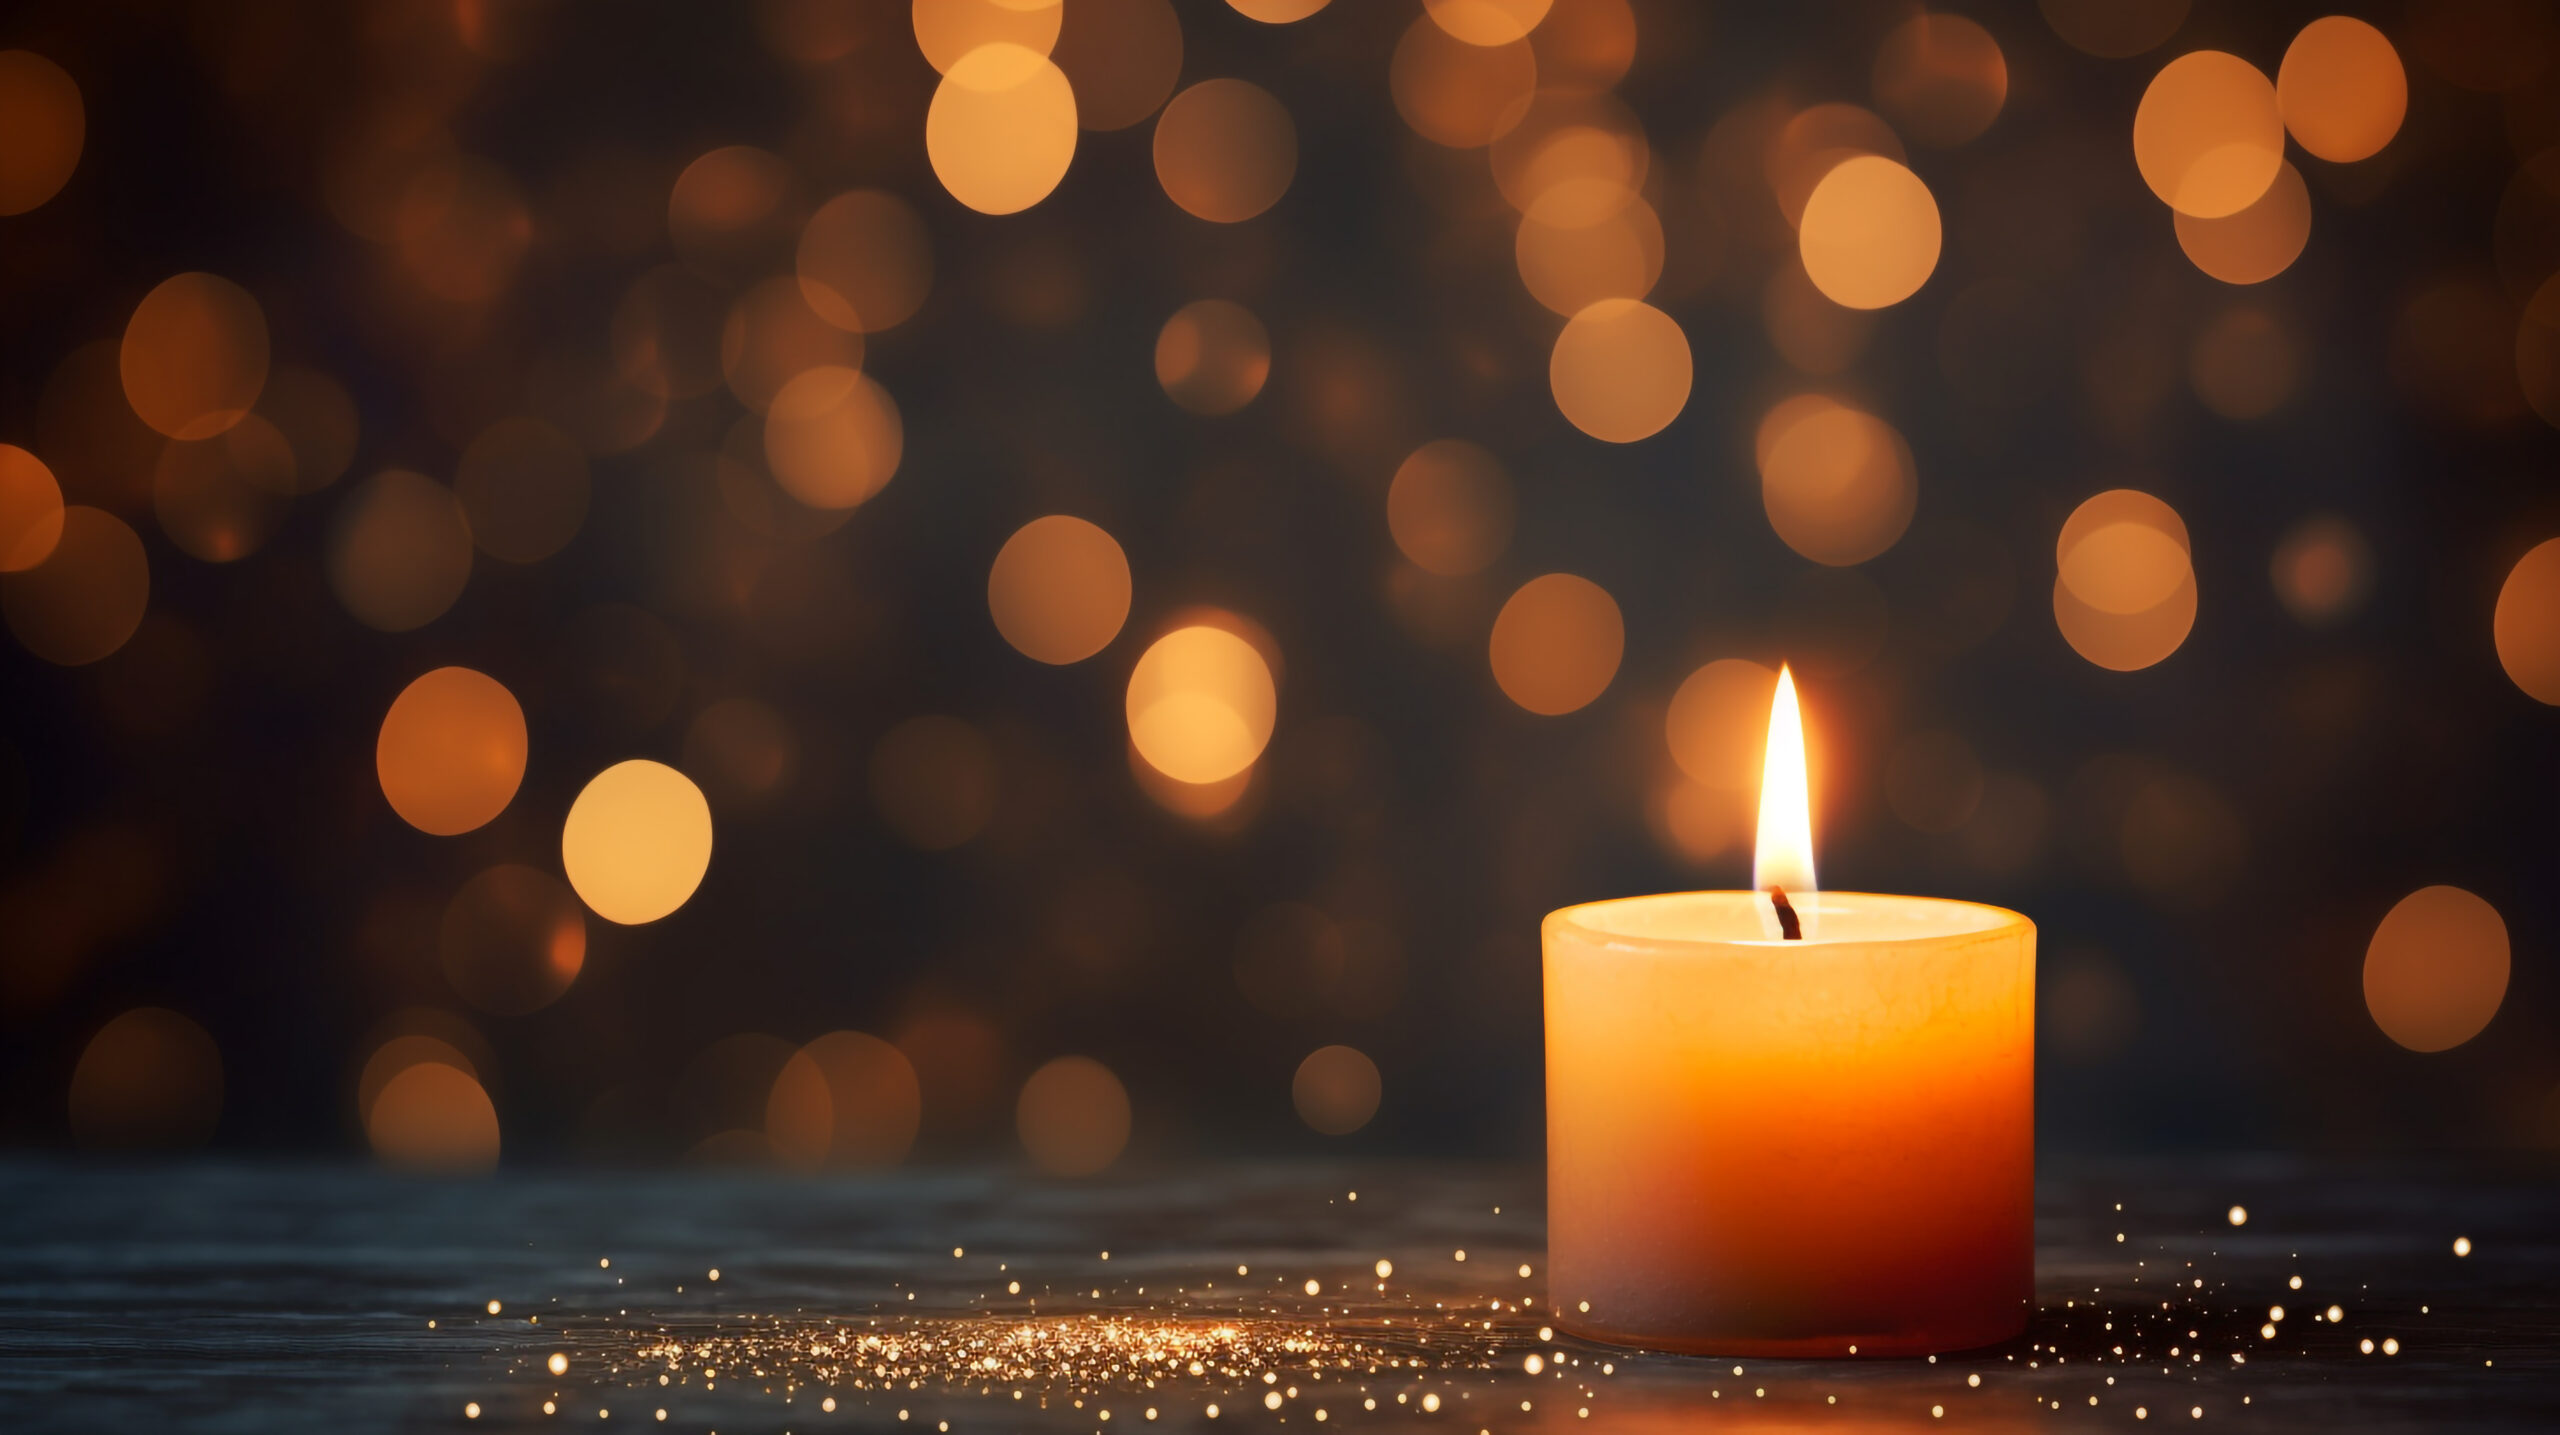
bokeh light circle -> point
(1456, 94)
(1941, 78)
(847, 1099)
(2208, 135)
(637, 841)
(216, 498)
(42, 128)
(1336, 1090)
(30, 510)
(151, 1079)
(2436, 969)
(1276, 12)
(1487, 22)
(1225, 150)
(87, 595)
(1449, 508)
(1837, 482)
(1556, 643)
(1573, 253)
(1073, 1117)
(947, 30)
(865, 261)
(2527, 623)
(1718, 724)
(1059, 589)
(400, 551)
(833, 437)
(1870, 233)
(1122, 56)
(1001, 130)
(1620, 371)
(434, 1119)
(194, 355)
(452, 751)
(2342, 89)
(772, 336)
(2124, 591)
(2257, 243)
(2114, 29)
(1201, 704)
(1213, 356)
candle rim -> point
(1979, 918)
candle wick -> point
(1788, 926)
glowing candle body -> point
(1784, 1148)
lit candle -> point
(1786, 1122)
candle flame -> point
(1783, 856)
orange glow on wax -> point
(1783, 856)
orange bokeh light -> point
(772, 336)
(2526, 626)
(400, 551)
(2342, 89)
(1620, 371)
(2257, 243)
(452, 751)
(42, 128)
(1213, 356)
(1869, 236)
(512, 940)
(1225, 150)
(216, 497)
(1717, 726)
(149, 1080)
(1059, 589)
(1276, 12)
(637, 841)
(1073, 1117)
(1001, 130)
(1487, 22)
(1837, 482)
(865, 261)
(2114, 29)
(847, 1099)
(1456, 94)
(947, 30)
(30, 510)
(2436, 970)
(2124, 591)
(1449, 508)
(833, 437)
(2208, 135)
(87, 595)
(1202, 704)
(1336, 1090)
(1122, 57)
(435, 1119)
(1941, 78)
(1574, 252)
(194, 355)
(1556, 644)
(730, 210)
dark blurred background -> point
(457, 212)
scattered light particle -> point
(2335, 1315)
(1212, 1412)
(1315, 1287)
(493, 1307)
(1524, 1271)
(1431, 1402)
(559, 1363)
(2391, 1345)
(1386, 1269)
(1271, 1400)
(1974, 1380)
(1537, 1364)
(471, 1411)
(604, 1263)
(550, 1407)
(1461, 1255)
(715, 1273)
(2239, 1215)
(2294, 1284)
(1938, 1411)
(957, 1253)
(2462, 1245)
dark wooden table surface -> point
(279, 1297)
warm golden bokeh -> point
(1487, 22)
(865, 261)
(772, 336)
(1620, 370)
(523, 485)
(1336, 1090)
(2257, 243)
(1456, 94)
(434, 1119)
(30, 510)
(1717, 726)
(730, 211)
(847, 1099)
(833, 437)
(1073, 1117)
(2114, 29)
(86, 597)
(2245, 364)
(1584, 138)
(2342, 89)
(1556, 643)
(1573, 252)
(2124, 591)
(1001, 130)
(1225, 150)
(637, 841)
(1941, 78)
(512, 939)
(934, 781)
(2527, 623)
(423, 1035)
(947, 30)
(1837, 482)
(665, 334)
(194, 355)
(452, 751)
(1122, 57)
(1213, 356)
(2322, 569)
(42, 127)
(2208, 136)
(1869, 236)
(1202, 704)
(2436, 970)
(1059, 589)
(1449, 508)
(1816, 140)
(1276, 12)
(399, 551)
(150, 1080)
